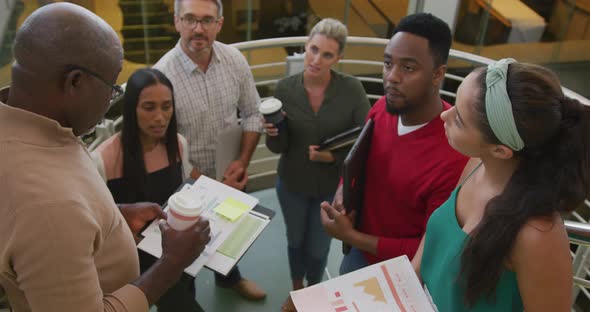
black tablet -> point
(344, 139)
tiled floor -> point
(266, 263)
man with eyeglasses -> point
(64, 244)
(116, 90)
(212, 81)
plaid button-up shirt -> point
(206, 103)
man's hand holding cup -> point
(186, 233)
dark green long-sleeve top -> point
(345, 106)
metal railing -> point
(6, 7)
(475, 60)
(579, 234)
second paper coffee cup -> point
(184, 210)
(272, 111)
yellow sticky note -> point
(231, 209)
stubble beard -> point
(391, 109)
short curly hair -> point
(433, 29)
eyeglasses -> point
(191, 22)
(116, 90)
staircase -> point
(148, 30)
(373, 17)
(7, 38)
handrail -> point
(380, 42)
(5, 15)
(352, 40)
(300, 40)
(579, 233)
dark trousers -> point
(181, 296)
(308, 243)
(232, 278)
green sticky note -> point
(231, 209)
(238, 239)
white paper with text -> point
(389, 286)
(211, 193)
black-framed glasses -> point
(191, 21)
(116, 90)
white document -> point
(389, 286)
(211, 193)
(227, 149)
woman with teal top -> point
(499, 242)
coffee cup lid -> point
(185, 204)
(270, 106)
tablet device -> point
(344, 139)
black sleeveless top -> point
(159, 184)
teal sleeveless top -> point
(441, 262)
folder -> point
(227, 149)
(353, 187)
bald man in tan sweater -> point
(65, 246)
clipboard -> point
(214, 260)
(218, 261)
(353, 187)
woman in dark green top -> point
(319, 103)
(499, 243)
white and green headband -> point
(499, 107)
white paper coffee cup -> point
(184, 210)
(272, 111)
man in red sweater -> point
(411, 168)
